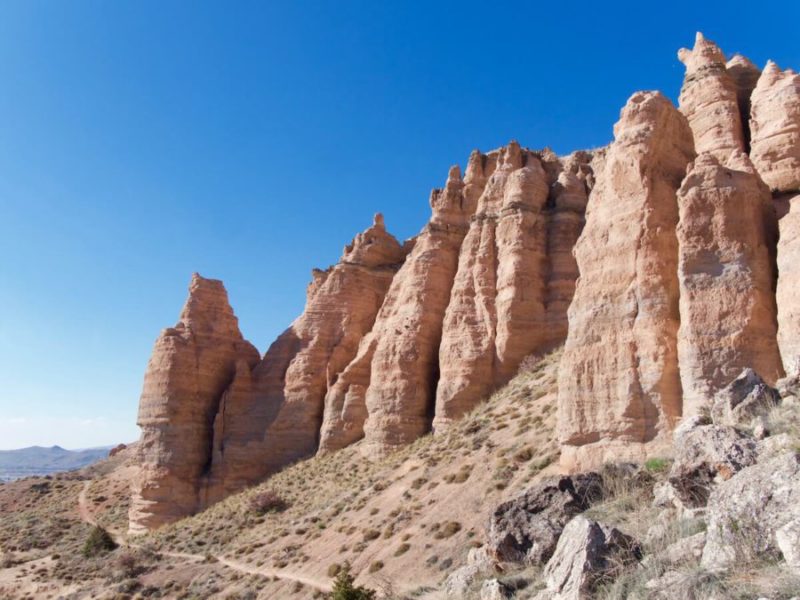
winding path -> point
(120, 539)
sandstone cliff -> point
(619, 384)
(727, 308)
(191, 366)
(657, 259)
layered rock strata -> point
(619, 386)
(398, 358)
(191, 366)
(710, 101)
(727, 307)
(404, 366)
(775, 128)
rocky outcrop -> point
(516, 275)
(526, 529)
(497, 304)
(727, 307)
(746, 512)
(710, 101)
(404, 365)
(619, 385)
(775, 128)
(745, 398)
(586, 551)
(273, 414)
(788, 284)
(705, 455)
(191, 366)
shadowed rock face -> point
(191, 366)
(745, 76)
(709, 100)
(618, 380)
(775, 128)
(727, 308)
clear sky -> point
(142, 141)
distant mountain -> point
(37, 460)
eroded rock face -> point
(405, 341)
(191, 366)
(727, 307)
(619, 385)
(273, 415)
(775, 128)
(710, 101)
(496, 308)
(788, 299)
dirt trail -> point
(121, 540)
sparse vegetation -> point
(98, 542)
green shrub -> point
(656, 465)
(343, 588)
(98, 542)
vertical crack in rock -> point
(621, 351)
(744, 75)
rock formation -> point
(619, 385)
(405, 341)
(727, 308)
(661, 279)
(272, 416)
(788, 285)
(709, 100)
(191, 366)
(775, 128)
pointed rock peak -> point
(454, 174)
(742, 62)
(705, 53)
(374, 246)
(207, 307)
(475, 165)
(511, 156)
(643, 108)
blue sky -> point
(142, 141)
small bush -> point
(333, 569)
(447, 530)
(376, 566)
(343, 588)
(98, 542)
(267, 502)
(402, 549)
(657, 465)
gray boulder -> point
(526, 528)
(746, 513)
(706, 455)
(586, 552)
(746, 397)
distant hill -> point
(37, 460)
